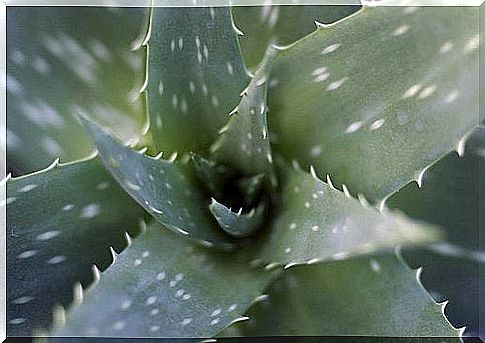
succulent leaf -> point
(371, 295)
(245, 137)
(163, 286)
(280, 25)
(66, 60)
(374, 99)
(238, 224)
(450, 197)
(195, 75)
(53, 247)
(211, 174)
(167, 189)
(251, 187)
(315, 222)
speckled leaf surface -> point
(377, 97)
(195, 75)
(63, 61)
(450, 197)
(280, 25)
(238, 224)
(376, 296)
(167, 189)
(245, 137)
(53, 246)
(163, 286)
(315, 222)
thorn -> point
(313, 173)
(77, 294)
(320, 25)
(244, 91)
(143, 150)
(419, 180)
(291, 264)
(113, 255)
(173, 157)
(265, 133)
(224, 129)
(58, 316)
(238, 32)
(128, 239)
(234, 111)
(261, 81)
(240, 211)
(363, 201)
(329, 182)
(460, 148)
(314, 260)
(346, 191)
(159, 155)
(269, 158)
(96, 275)
(260, 298)
(156, 210)
(271, 266)
(382, 205)
(240, 319)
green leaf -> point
(376, 296)
(280, 25)
(450, 197)
(167, 189)
(313, 221)
(251, 187)
(195, 75)
(246, 134)
(238, 224)
(60, 222)
(212, 175)
(63, 61)
(374, 99)
(163, 286)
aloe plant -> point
(274, 170)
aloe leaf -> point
(195, 74)
(374, 99)
(238, 224)
(63, 61)
(52, 248)
(167, 189)
(314, 221)
(376, 296)
(213, 175)
(450, 197)
(251, 187)
(162, 286)
(280, 25)
(245, 136)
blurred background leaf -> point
(68, 60)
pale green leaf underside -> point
(62, 61)
(195, 75)
(238, 224)
(280, 25)
(168, 190)
(377, 296)
(377, 97)
(245, 137)
(162, 286)
(59, 223)
(315, 222)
